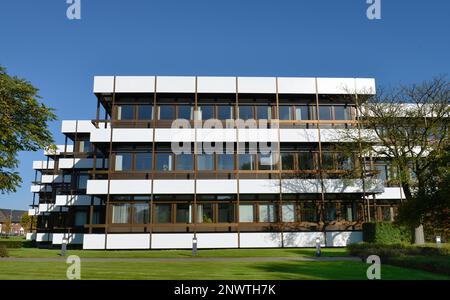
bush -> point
(435, 264)
(386, 233)
(16, 243)
(386, 251)
(3, 251)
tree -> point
(23, 123)
(27, 222)
(7, 225)
(408, 125)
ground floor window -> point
(163, 213)
(183, 213)
(225, 213)
(141, 213)
(205, 213)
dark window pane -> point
(163, 213)
(325, 112)
(145, 112)
(125, 112)
(143, 161)
(185, 112)
(166, 112)
(301, 112)
(183, 213)
(306, 161)
(82, 181)
(207, 112)
(164, 162)
(246, 162)
(285, 113)
(141, 213)
(340, 113)
(245, 112)
(327, 161)
(205, 213)
(224, 112)
(225, 161)
(226, 213)
(123, 162)
(264, 112)
(287, 161)
(205, 162)
(330, 211)
(184, 162)
(308, 212)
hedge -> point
(385, 233)
(16, 243)
(3, 251)
(386, 251)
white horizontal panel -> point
(216, 186)
(352, 186)
(135, 84)
(175, 84)
(167, 186)
(366, 86)
(174, 135)
(94, 241)
(40, 188)
(172, 240)
(343, 238)
(298, 135)
(58, 150)
(259, 186)
(75, 200)
(217, 240)
(257, 85)
(128, 241)
(216, 84)
(43, 164)
(101, 135)
(44, 237)
(103, 84)
(296, 85)
(302, 239)
(336, 85)
(97, 187)
(55, 178)
(132, 135)
(31, 236)
(130, 186)
(81, 163)
(260, 239)
(72, 238)
(32, 211)
(292, 186)
(80, 126)
(258, 135)
(391, 193)
(216, 135)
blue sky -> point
(409, 44)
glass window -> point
(226, 213)
(246, 213)
(225, 161)
(185, 112)
(205, 162)
(125, 112)
(120, 213)
(84, 146)
(224, 112)
(183, 213)
(207, 112)
(325, 112)
(166, 112)
(343, 161)
(205, 213)
(143, 161)
(245, 112)
(145, 112)
(123, 162)
(382, 169)
(327, 161)
(285, 112)
(265, 162)
(80, 218)
(267, 213)
(163, 213)
(82, 181)
(264, 112)
(288, 212)
(308, 212)
(340, 112)
(347, 211)
(287, 161)
(164, 162)
(246, 161)
(301, 112)
(141, 213)
(306, 161)
(184, 162)
(330, 211)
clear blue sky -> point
(410, 43)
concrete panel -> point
(135, 84)
(172, 240)
(216, 84)
(217, 240)
(216, 186)
(260, 239)
(128, 241)
(295, 85)
(94, 241)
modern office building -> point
(131, 178)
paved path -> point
(187, 259)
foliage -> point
(386, 251)
(435, 264)
(10, 243)
(23, 123)
(7, 225)
(3, 251)
(28, 222)
(385, 233)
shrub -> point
(16, 243)
(386, 251)
(435, 264)
(386, 233)
(3, 251)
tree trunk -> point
(419, 237)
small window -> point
(80, 218)
(225, 161)
(245, 112)
(163, 213)
(224, 112)
(327, 161)
(205, 162)
(306, 161)
(125, 112)
(267, 213)
(207, 112)
(246, 161)
(123, 162)
(287, 161)
(266, 162)
(285, 112)
(184, 162)
(141, 213)
(82, 181)
(246, 213)
(120, 213)
(183, 214)
(301, 112)
(264, 112)
(330, 211)
(145, 112)
(205, 213)
(166, 112)
(226, 213)
(340, 112)
(143, 161)
(288, 213)
(325, 112)
(164, 162)
(308, 212)
(185, 112)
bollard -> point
(438, 241)
(64, 246)
(194, 246)
(318, 252)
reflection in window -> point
(224, 112)
(267, 213)
(125, 112)
(325, 112)
(327, 161)
(141, 213)
(264, 112)
(287, 161)
(84, 146)
(340, 112)
(246, 161)
(82, 181)
(308, 212)
(183, 213)
(301, 112)
(347, 211)
(245, 112)
(185, 112)
(123, 162)
(330, 211)
(226, 213)
(120, 213)
(205, 162)
(285, 112)
(80, 218)
(266, 162)
(246, 213)
(207, 112)
(164, 161)
(225, 161)
(184, 162)
(205, 213)
(306, 161)
(143, 161)
(288, 213)
(166, 112)
(145, 112)
(163, 213)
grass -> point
(286, 252)
(207, 270)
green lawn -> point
(293, 252)
(208, 270)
